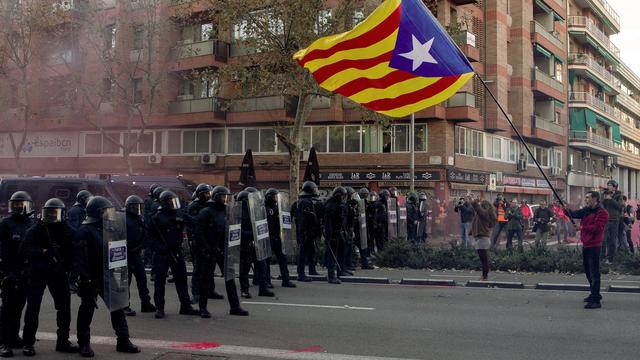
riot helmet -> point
(339, 193)
(169, 200)
(157, 191)
(242, 195)
(612, 183)
(363, 192)
(422, 196)
(250, 189)
(82, 198)
(53, 211)
(20, 203)
(393, 192)
(384, 195)
(412, 197)
(350, 190)
(354, 197)
(96, 207)
(221, 194)
(134, 205)
(372, 197)
(271, 196)
(309, 188)
(152, 188)
(203, 192)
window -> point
(542, 155)
(250, 28)
(267, 140)
(557, 159)
(513, 151)
(208, 87)
(110, 37)
(420, 138)
(470, 142)
(401, 138)
(352, 139)
(138, 37)
(336, 139)
(137, 91)
(217, 141)
(174, 143)
(358, 16)
(494, 147)
(93, 144)
(107, 89)
(206, 32)
(235, 141)
(558, 71)
(252, 140)
(370, 139)
(322, 23)
(144, 145)
(195, 142)
(319, 138)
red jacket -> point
(592, 225)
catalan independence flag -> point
(398, 61)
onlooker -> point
(542, 218)
(562, 223)
(594, 220)
(628, 225)
(514, 227)
(481, 227)
(501, 207)
(526, 214)
(466, 217)
(613, 203)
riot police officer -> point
(166, 238)
(334, 233)
(13, 270)
(423, 204)
(137, 240)
(77, 213)
(371, 205)
(357, 227)
(351, 224)
(148, 202)
(248, 252)
(308, 228)
(273, 219)
(48, 248)
(381, 218)
(88, 263)
(413, 217)
(210, 236)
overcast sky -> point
(627, 39)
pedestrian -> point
(48, 248)
(307, 216)
(542, 219)
(613, 203)
(594, 219)
(88, 263)
(413, 217)
(334, 233)
(273, 220)
(526, 215)
(137, 240)
(466, 218)
(481, 227)
(562, 223)
(13, 270)
(514, 227)
(77, 213)
(501, 208)
(629, 220)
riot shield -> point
(362, 222)
(392, 219)
(115, 270)
(258, 215)
(286, 229)
(422, 224)
(402, 217)
(232, 241)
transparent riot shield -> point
(392, 219)
(258, 215)
(362, 222)
(232, 241)
(286, 225)
(402, 217)
(422, 224)
(115, 274)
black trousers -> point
(380, 235)
(332, 258)
(364, 253)
(629, 241)
(412, 232)
(135, 262)
(347, 255)
(13, 301)
(204, 276)
(58, 284)
(306, 257)
(85, 317)
(248, 257)
(591, 262)
(161, 264)
(276, 248)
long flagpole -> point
(412, 163)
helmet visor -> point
(21, 207)
(173, 203)
(135, 209)
(52, 215)
(223, 198)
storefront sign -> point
(40, 144)
(528, 182)
(466, 177)
(379, 176)
(511, 180)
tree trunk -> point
(127, 159)
(295, 150)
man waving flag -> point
(397, 61)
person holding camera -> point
(466, 217)
(514, 227)
(501, 209)
(614, 204)
(542, 218)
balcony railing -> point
(629, 103)
(208, 47)
(462, 99)
(609, 10)
(589, 137)
(288, 103)
(590, 26)
(548, 125)
(588, 61)
(590, 100)
(212, 104)
(546, 79)
(536, 27)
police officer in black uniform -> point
(422, 198)
(273, 218)
(364, 253)
(334, 233)
(137, 240)
(210, 236)
(77, 213)
(413, 217)
(88, 264)
(351, 225)
(370, 212)
(381, 217)
(13, 269)
(308, 228)
(48, 248)
(248, 253)
(166, 238)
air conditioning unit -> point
(208, 159)
(586, 154)
(154, 159)
(185, 97)
(555, 171)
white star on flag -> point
(420, 53)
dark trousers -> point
(276, 248)
(591, 262)
(610, 239)
(483, 254)
(332, 261)
(306, 256)
(161, 264)
(496, 234)
(136, 268)
(345, 252)
(85, 316)
(248, 257)
(204, 276)
(59, 289)
(13, 301)
(380, 236)
(510, 234)
(364, 253)
(629, 240)
(412, 232)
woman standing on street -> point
(481, 228)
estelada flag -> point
(398, 61)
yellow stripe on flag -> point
(347, 76)
(393, 91)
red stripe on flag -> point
(328, 71)
(377, 34)
(363, 83)
(414, 97)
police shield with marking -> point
(232, 241)
(362, 221)
(392, 219)
(402, 216)
(260, 226)
(286, 229)
(116, 276)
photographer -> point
(501, 209)
(542, 217)
(514, 215)
(466, 217)
(614, 204)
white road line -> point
(213, 348)
(344, 307)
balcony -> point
(548, 125)
(463, 2)
(602, 76)
(262, 109)
(467, 42)
(545, 35)
(185, 105)
(590, 141)
(219, 50)
(582, 24)
(629, 103)
(461, 107)
(546, 84)
(602, 9)
(586, 99)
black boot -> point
(246, 294)
(188, 310)
(205, 314)
(86, 350)
(288, 284)
(159, 314)
(125, 346)
(332, 278)
(129, 311)
(215, 296)
(147, 307)
(65, 346)
(264, 291)
(239, 311)
(5, 351)
(28, 350)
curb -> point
(365, 280)
(624, 289)
(567, 287)
(428, 282)
(495, 284)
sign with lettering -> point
(41, 144)
(511, 180)
(466, 177)
(508, 180)
(528, 182)
(379, 176)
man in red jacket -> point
(594, 220)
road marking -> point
(344, 307)
(219, 349)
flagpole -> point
(412, 162)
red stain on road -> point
(315, 348)
(199, 346)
